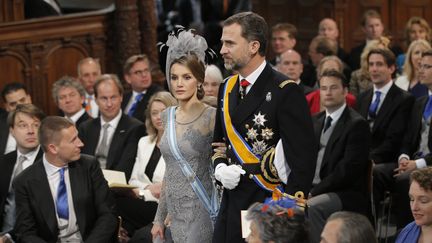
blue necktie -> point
(428, 109)
(374, 106)
(135, 104)
(62, 200)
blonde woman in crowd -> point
(409, 80)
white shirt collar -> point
(50, 168)
(385, 89)
(134, 93)
(77, 115)
(30, 156)
(335, 115)
(114, 122)
(255, 74)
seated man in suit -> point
(342, 162)
(89, 70)
(417, 144)
(386, 107)
(291, 65)
(24, 124)
(113, 136)
(137, 74)
(69, 95)
(13, 94)
(64, 197)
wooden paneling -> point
(11, 10)
(61, 61)
(38, 52)
(404, 10)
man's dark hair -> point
(388, 55)
(12, 87)
(254, 28)
(335, 74)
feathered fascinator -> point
(182, 42)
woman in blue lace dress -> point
(192, 122)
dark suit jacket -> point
(354, 56)
(345, 161)
(92, 201)
(412, 137)
(7, 164)
(390, 123)
(142, 104)
(287, 114)
(4, 132)
(123, 148)
(82, 119)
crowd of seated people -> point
(371, 110)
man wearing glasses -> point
(137, 74)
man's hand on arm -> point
(228, 175)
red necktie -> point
(243, 85)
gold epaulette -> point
(281, 85)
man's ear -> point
(52, 148)
(254, 46)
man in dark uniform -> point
(257, 108)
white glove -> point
(229, 176)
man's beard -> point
(234, 66)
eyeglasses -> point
(141, 72)
(425, 66)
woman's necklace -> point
(184, 118)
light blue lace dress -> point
(190, 221)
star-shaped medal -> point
(252, 133)
(259, 147)
(267, 133)
(259, 119)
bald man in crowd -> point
(291, 65)
(329, 29)
(89, 70)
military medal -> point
(268, 96)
